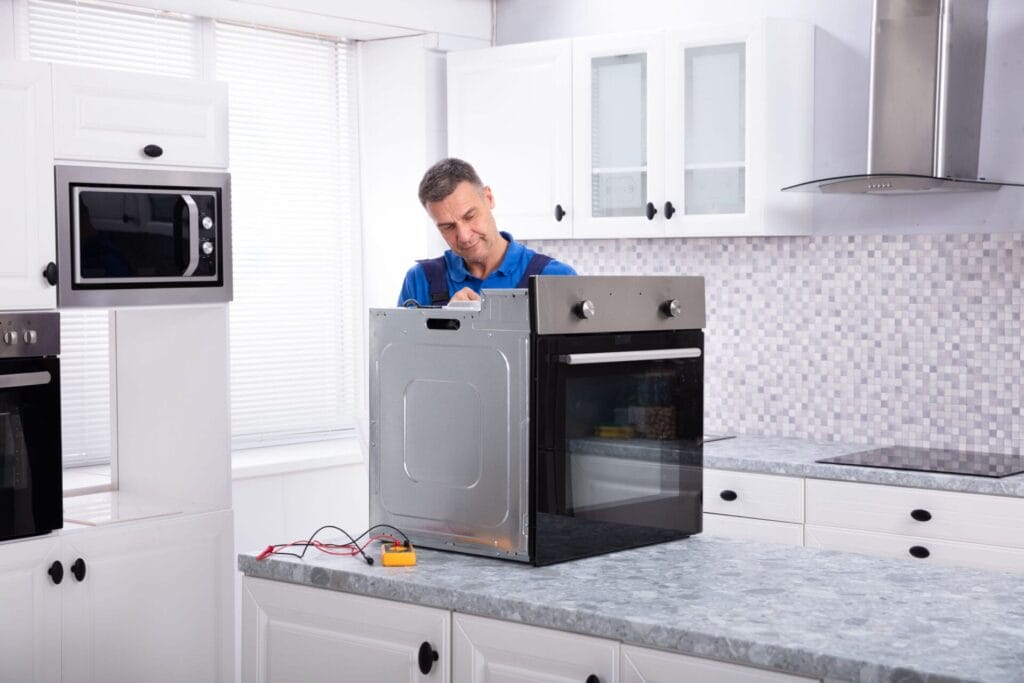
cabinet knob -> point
(559, 213)
(593, 678)
(50, 273)
(728, 495)
(78, 569)
(651, 211)
(919, 551)
(669, 210)
(426, 657)
(921, 515)
(153, 151)
(56, 572)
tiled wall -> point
(915, 339)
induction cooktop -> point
(934, 460)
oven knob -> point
(10, 337)
(671, 308)
(30, 337)
(207, 248)
(207, 222)
(585, 309)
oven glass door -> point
(125, 235)
(30, 457)
(619, 429)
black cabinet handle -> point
(78, 569)
(153, 151)
(50, 273)
(559, 213)
(669, 210)
(919, 551)
(921, 515)
(728, 495)
(427, 656)
(592, 678)
(651, 211)
(56, 572)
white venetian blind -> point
(294, 192)
(114, 37)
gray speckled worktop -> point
(796, 457)
(806, 611)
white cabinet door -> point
(618, 135)
(155, 604)
(758, 530)
(104, 115)
(509, 115)
(643, 665)
(299, 633)
(30, 604)
(491, 651)
(751, 494)
(27, 239)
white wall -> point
(6, 29)
(841, 92)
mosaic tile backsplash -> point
(914, 340)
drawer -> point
(644, 665)
(747, 529)
(955, 553)
(760, 496)
(969, 517)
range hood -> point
(927, 81)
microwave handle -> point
(628, 356)
(193, 235)
(24, 379)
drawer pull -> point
(728, 495)
(919, 551)
(921, 515)
(426, 657)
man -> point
(479, 256)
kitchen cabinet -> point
(112, 116)
(27, 240)
(509, 114)
(754, 507)
(298, 633)
(131, 599)
(644, 665)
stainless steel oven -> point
(541, 426)
(31, 497)
(128, 237)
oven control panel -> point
(29, 334)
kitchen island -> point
(803, 611)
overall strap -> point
(436, 271)
(536, 266)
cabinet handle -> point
(669, 210)
(78, 569)
(728, 495)
(651, 211)
(56, 572)
(427, 656)
(153, 151)
(921, 515)
(592, 678)
(50, 273)
(559, 213)
(919, 551)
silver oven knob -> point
(10, 337)
(30, 337)
(207, 248)
(585, 309)
(671, 308)
(207, 222)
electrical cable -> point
(350, 549)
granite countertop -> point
(805, 611)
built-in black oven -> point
(30, 452)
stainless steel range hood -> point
(927, 81)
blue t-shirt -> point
(507, 276)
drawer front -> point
(759, 530)
(955, 553)
(644, 665)
(969, 517)
(760, 496)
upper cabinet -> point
(673, 133)
(103, 115)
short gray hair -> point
(442, 178)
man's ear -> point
(489, 196)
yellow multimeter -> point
(397, 555)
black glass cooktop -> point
(934, 460)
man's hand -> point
(465, 294)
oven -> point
(542, 425)
(31, 497)
(141, 237)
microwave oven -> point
(141, 237)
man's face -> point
(465, 220)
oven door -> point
(617, 421)
(30, 456)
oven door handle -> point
(629, 356)
(25, 379)
(193, 235)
